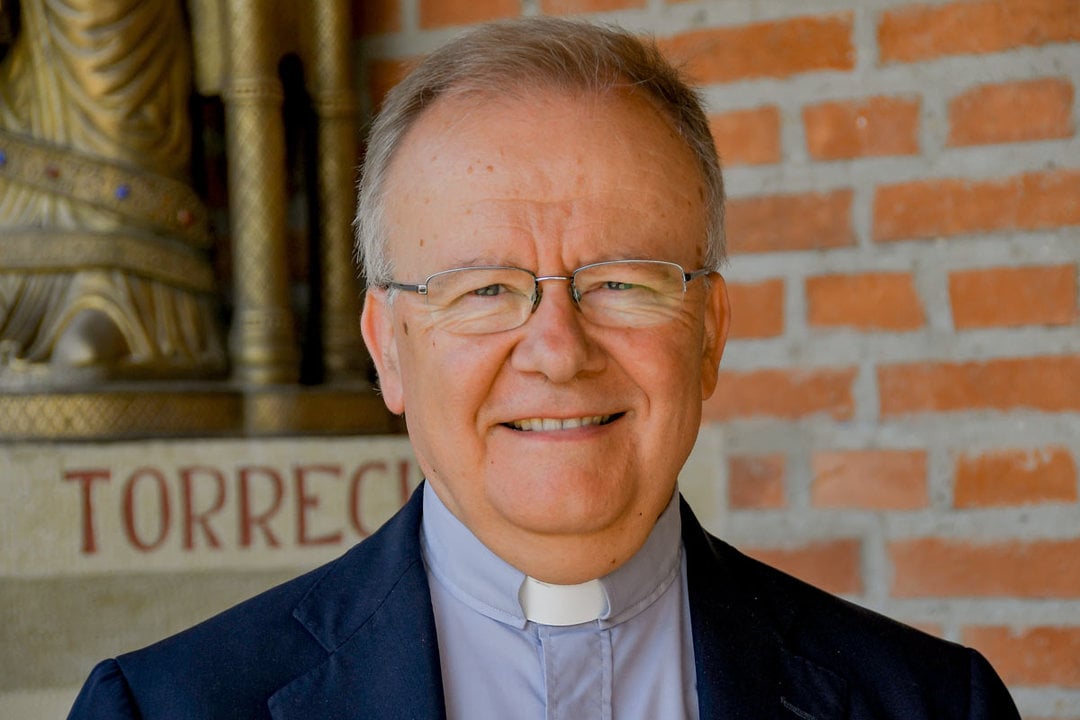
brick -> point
(1014, 477)
(930, 208)
(440, 13)
(375, 17)
(757, 309)
(874, 127)
(747, 137)
(573, 7)
(1034, 656)
(1047, 384)
(771, 223)
(783, 393)
(867, 301)
(1010, 297)
(988, 113)
(768, 49)
(756, 482)
(832, 566)
(869, 479)
(941, 567)
(924, 32)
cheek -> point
(447, 377)
(665, 363)
(677, 383)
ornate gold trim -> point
(127, 413)
(74, 250)
(168, 205)
(254, 91)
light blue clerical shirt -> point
(512, 647)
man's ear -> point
(377, 327)
(717, 323)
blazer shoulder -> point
(889, 669)
(795, 612)
(105, 695)
(236, 659)
(228, 665)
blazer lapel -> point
(743, 667)
(372, 613)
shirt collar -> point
(491, 586)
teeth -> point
(549, 424)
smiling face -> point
(557, 443)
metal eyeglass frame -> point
(538, 292)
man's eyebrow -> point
(476, 261)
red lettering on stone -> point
(163, 514)
(249, 520)
(306, 502)
(86, 479)
(355, 484)
(201, 518)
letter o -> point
(163, 509)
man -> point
(541, 221)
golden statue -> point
(103, 245)
(103, 265)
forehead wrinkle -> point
(537, 214)
(640, 234)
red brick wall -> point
(900, 401)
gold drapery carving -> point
(103, 273)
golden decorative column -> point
(262, 341)
(337, 111)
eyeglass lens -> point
(628, 294)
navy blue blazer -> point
(356, 639)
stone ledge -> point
(189, 410)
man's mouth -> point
(550, 424)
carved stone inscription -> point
(148, 506)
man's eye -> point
(489, 290)
(616, 285)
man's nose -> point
(555, 339)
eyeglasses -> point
(616, 294)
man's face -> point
(548, 183)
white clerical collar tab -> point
(548, 604)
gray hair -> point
(513, 57)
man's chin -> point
(562, 508)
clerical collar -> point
(549, 604)
(491, 586)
